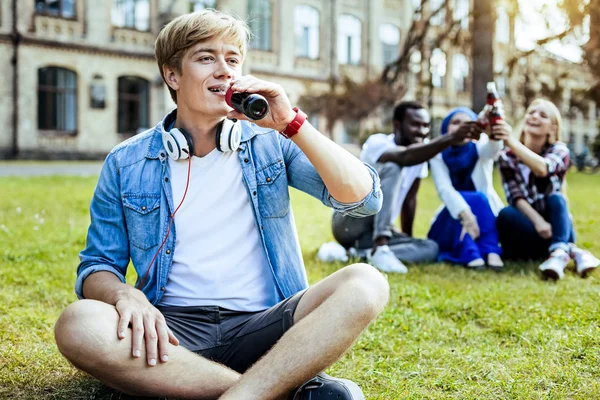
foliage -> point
(446, 332)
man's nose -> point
(223, 70)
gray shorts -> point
(232, 338)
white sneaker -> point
(554, 267)
(476, 263)
(495, 262)
(584, 261)
(385, 260)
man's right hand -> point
(147, 323)
(468, 130)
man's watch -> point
(294, 126)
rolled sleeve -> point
(370, 205)
(85, 271)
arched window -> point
(132, 14)
(460, 71)
(502, 26)
(259, 21)
(306, 25)
(389, 36)
(349, 39)
(133, 113)
(437, 68)
(57, 100)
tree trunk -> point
(482, 50)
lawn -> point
(446, 333)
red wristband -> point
(294, 126)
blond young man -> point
(221, 308)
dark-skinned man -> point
(401, 161)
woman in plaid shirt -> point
(537, 221)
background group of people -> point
(473, 228)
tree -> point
(348, 100)
(482, 50)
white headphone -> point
(179, 144)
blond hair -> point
(189, 29)
(554, 116)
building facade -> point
(81, 75)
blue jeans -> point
(520, 240)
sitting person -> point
(537, 220)
(465, 230)
(221, 308)
(401, 161)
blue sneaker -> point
(325, 387)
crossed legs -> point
(328, 319)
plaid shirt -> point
(534, 189)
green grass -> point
(446, 333)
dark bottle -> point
(252, 105)
(496, 112)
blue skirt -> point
(445, 231)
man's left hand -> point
(280, 109)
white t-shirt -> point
(374, 148)
(219, 259)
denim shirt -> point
(132, 203)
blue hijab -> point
(460, 160)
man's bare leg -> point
(86, 334)
(330, 316)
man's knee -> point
(81, 327)
(368, 287)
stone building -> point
(80, 75)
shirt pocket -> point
(273, 194)
(142, 215)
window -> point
(349, 39)
(306, 25)
(460, 72)
(132, 14)
(259, 20)
(502, 26)
(439, 18)
(134, 102)
(461, 12)
(56, 8)
(437, 68)
(57, 100)
(197, 5)
(389, 36)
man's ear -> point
(171, 77)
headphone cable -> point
(172, 217)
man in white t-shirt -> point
(401, 162)
(199, 205)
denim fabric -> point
(520, 240)
(133, 201)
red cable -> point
(187, 184)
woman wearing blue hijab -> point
(465, 229)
